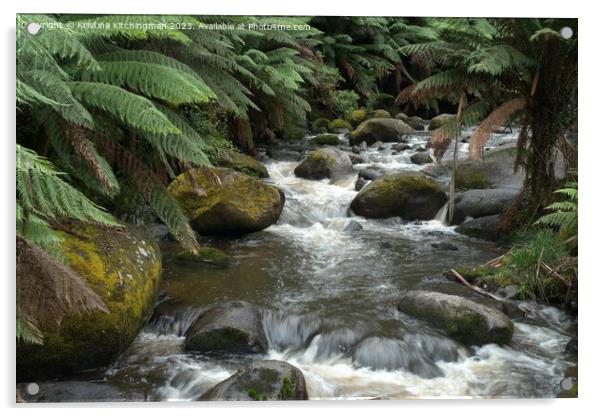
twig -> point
(554, 273)
(496, 262)
(474, 287)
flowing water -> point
(330, 297)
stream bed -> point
(324, 288)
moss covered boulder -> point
(439, 121)
(320, 125)
(358, 116)
(241, 163)
(232, 327)
(326, 139)
(338, 125)
(205, 256)
(477, 203)
(462, 319)
(379, 129)
(222, 201)
(411, 196)
(325, 163)
(259, 381)
(379, 114)
(124, 268)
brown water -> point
(330, 308)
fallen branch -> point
(496, 262)
(477, 289)
(554, 273)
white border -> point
(590, 117)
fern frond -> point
(493, 121)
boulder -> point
(357, 116)
(232, 327)
(484, 228)
(421, 158)
(326, 139)
(400, 147)
(414, 122)
(241, 163)
(123, 266)
(379, 114)
(369, 174)
(261, 380)
(352, 227)
(325, 163)
(409, 195)
(78, 392)
(477, 203)
(338, 125)
(360, 183)
(233, 203)
(495, 171)
(439, 120)
(285, 154)
(355, 159)
(383, 129)
(462, 319)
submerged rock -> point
(484, 227)
(325, 163)
(383, 129)
(360, 183)
(409, 195)
(241, 163)
(369, 174)
(462, 319)
(205, 255)
(232, 327)
(234, 203)
(261, 380)
(444, 246)
(123, 266)
(481, 202)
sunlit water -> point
(330, 301)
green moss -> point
(233, 203)
(320, 125)
(124, 269)
(496, 154)
(286, 392)
(379, 114)
(326, 139)
(294, 134)
(358, 116)
(242, 163)
(339, 123)
(469, 177)
(206, 255)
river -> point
(324, 289)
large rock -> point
(261, 380)
(383, 129)
(233, 327)
(421, 158)
(439, 121)
(123, 266)
(495, 171)
(484, 227)
(234, 203)
(462, 319)
(325, 163)
(242, 163)
(79, 391)
(481, 202)
(411, 196)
